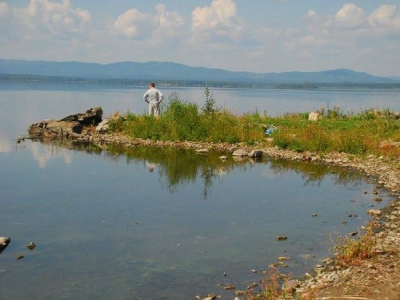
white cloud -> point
(162, 26)
(350, 16)
(387, 16)
(83, 15)
(170, 23)
(311, 14)
(217, 21)
(42, 17)
(4, 9)
(136, 25)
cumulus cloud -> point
(350, 16)
(163, 25)
(170, 23)
(134, 24)
(42, 17)
(219, 20)
(387, 16)
(351, 23)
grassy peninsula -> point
(367, 132)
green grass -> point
(360, 133)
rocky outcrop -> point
(71, 126)
(92, 116)
(4, 241)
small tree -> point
(208, 107)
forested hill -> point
(164, 71)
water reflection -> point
(134, 224)
(313, 173)
(178, 167)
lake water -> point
(108, 228)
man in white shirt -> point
(153, 97)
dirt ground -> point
(377, 279)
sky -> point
(260, 36)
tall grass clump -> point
(185, 121)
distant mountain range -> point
(164, 71)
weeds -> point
(183, 120)
(350, 251)
(278, 286)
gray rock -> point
(240, 153)
(92, 116)
(4, 241)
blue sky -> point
(239, 35)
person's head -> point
(151, 85)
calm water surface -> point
(108, 228)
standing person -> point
(153, 97)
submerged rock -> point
(31, 246)
(4, 241)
